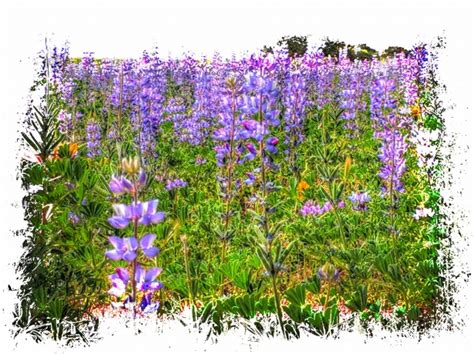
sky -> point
(126, 28)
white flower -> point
(423, 213)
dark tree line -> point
(298, 45)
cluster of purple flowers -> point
(175, 184)
(144, 213)
(388, 123)
(311, 209)
(329, 273)
(192, 93)
(295, 101)
(65, 122)
(393, 161)
(200, 160)
(126, 248)
(73, 218)
(93, 139)
(359, 201)
(129, 248)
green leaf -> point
(296, 295)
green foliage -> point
(295, 45)
(235, 273)
(42, 134)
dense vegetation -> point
(295, 185)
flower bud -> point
(131, 165)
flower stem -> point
(135, 234)
(188, 270)
(278, 304)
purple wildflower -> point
(93, 139)
(175, 184)
(73, 218)
(146, 304)
(146, 244)
(119, 282)
(271, 145)
(124, 248)
(65, 122)
(200, 160)
(359, 201)
(146, 279)
(144, 212)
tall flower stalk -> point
(227, 154)
(295, 101)
(262, 95)
(388, 123)
(131, 249)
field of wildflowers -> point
(289, 190)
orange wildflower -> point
(416, 111)
(73, 148)
(302, 186)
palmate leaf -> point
(297, 295)
(358, 300)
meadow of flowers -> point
(298, 192)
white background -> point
(121, 28)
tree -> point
(295, 45)
(392, 51)
(331, 48)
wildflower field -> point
(286, 194)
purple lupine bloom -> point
(388, 124)
(253, 129)
(146, 244)
(146, 279)
(73, 218)
(294, 100)
(141, 181)
(310, 208)
(222, 134)
(326, 207)
(119, 282)
(93, 139)
(70, 185)
(250, 179)
(65, 122)
(124, 248)
(329, 275)
(271, 145)
(359, 201)
(200, 160)
(382, 100)
(252, 152)
(119, 185)
(348, 104)
(393, 161)
(144, 212)
(147, 214)
(146, 304)
(175, 184)
(221, 154)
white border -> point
(123, 28)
